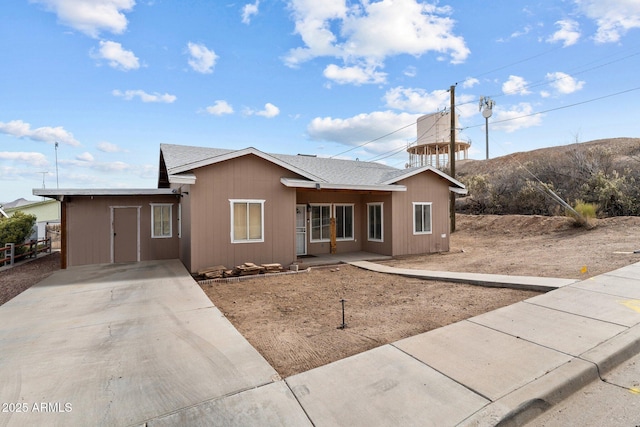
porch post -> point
(332, 227)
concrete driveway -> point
(129, 344)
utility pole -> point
(452, 157)
(57, 182)
(486, 103)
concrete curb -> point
(542, 284)
(615, 351)
(526, 403)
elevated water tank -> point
(434, 141)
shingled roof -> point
(181, 160)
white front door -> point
(301, 229)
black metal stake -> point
(344, 325)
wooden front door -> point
(126, 234)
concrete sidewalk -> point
(504, 367)
(531, 283)
(141, 344)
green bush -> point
(17, 228)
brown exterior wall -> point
(384, 247)
(89, 232)
(247, 177)
(425, 187)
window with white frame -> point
(422, 218)
(375, 220)
(247, 221)
(320, 223)
(344, 222)
(161, 224)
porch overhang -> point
(458, 190)
(317, 185)
(183, 178)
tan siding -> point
(384, 247)
(425, 187)
(89, 229)
(247, 177)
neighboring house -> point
(218, 206)
(45, 211)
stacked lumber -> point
(273, 268)
(215, 272)
(246, 269)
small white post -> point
(12, 250)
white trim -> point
(413, 215)
(262, 230)
(381, 204)
(303, 207)
(311, 239)
(112, 208)
(321, 185)
(162, 236)
(353, 222)
(179, 220)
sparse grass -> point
(587, 213)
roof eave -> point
(438, 172)
(60, 194)
(297, 183)
(240, 153)
(183, 178)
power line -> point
(558, 108)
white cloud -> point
(564, 83)
(219, 108)
(29, 158)
(369, 32)
(85, 157)
(117, 57)
(20, 129)
(613, 17)
(107, 147)
(201, 58)
(470, 82)
(365, 127)
(354, 75)
(91, 16)
(249, 10)
(568, 34)
(410, 71)
(269, 111)
(144, 96)
(515, 85)
(416, 100)
(519, 116)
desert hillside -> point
(604, 173)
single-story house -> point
(226, 207)
(46, 212)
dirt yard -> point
(292, 320)
(15, 280)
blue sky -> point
(110, 80)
